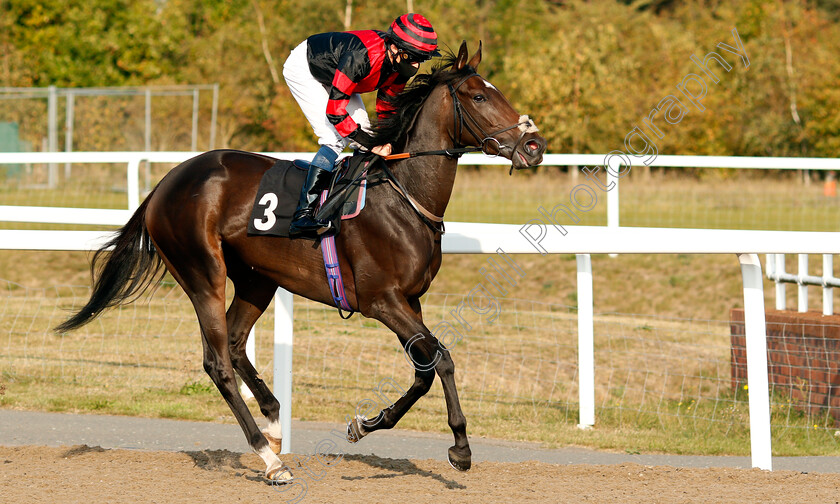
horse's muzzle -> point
(528, 152)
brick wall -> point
(803, 354)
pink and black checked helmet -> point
(414, 34)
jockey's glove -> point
(362, 138)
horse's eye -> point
(479, 98)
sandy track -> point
(82, 474)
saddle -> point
(279, 190)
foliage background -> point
(586, 71)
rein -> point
(433, 221)
(462, 119)
(456, 153)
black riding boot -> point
(304, 224)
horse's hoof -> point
(355, 429)
(461, 461)
(276, 444)
(279, 474)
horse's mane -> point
(393, 127)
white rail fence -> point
(471, 238)
(776, 272)
(133, 160)
(467, 238)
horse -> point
(194, 224)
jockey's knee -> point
(325, 157)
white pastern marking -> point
(268, 456)
(359, 420)
(274, 429)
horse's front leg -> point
(460, 456)
(427, 356)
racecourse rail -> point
(477, 238)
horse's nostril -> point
(532, 145)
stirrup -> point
(326, 229)
(310, 228)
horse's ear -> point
(463, 54)
(476, 59)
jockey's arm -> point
(343, 87)
(384, 105)
(364, 139)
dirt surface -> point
(84, 474)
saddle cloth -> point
(279, 191)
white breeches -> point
(313, 97)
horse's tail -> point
(130, 268)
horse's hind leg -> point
(253, 295)
(203, 279)
(388, 417)
(217, 364)
(403, 317)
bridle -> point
(463, 119)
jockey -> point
(327, 73)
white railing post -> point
(781, 291)
(828, 291)
(283, 343)
(612, 200)
(613, 220)
(802, 290)
(586, 341)
(757, 380)
(133, 184)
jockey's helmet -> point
(413, 34)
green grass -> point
(668, 198)
(516, 377)
(73, 197)
(662, 387)
(674, 197)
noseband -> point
(463, 119)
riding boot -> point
(304, 224)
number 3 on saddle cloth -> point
(277, 198)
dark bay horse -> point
(195, 224)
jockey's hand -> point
(382, 150)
